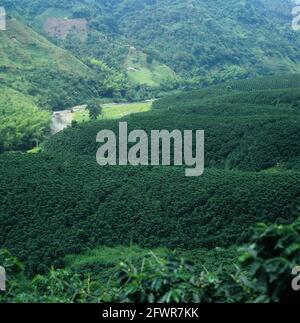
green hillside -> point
(38, 76)
(140, 68)
(22, 124)
(22, 48)
(214, 39)
(52, 76)
(203, 41)
(32, 65)
(35, 76)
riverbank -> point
(63, 119)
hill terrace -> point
(60, 28)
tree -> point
(94, 109)
(269, 261)
(149, 59)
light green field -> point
(114, 111)
(141, 71)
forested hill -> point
(210, 40)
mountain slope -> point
(210, 40)
(35, 76)
(209, 37)
(32, 65)
(22, 48)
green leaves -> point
(169, 281)
(270, 260)
(262, 278)
(157, 280)
(11, 264)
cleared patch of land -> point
(142, 69)
(62, 27)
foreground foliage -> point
(270, 259)
(264, 275)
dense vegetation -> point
(263, 274)
(52, 206)
(85, 205)
(22, 124)
(60, 202)
(245, 127)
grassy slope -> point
(23, 48)
(24, 54)
(151, 73)
(30, 64)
